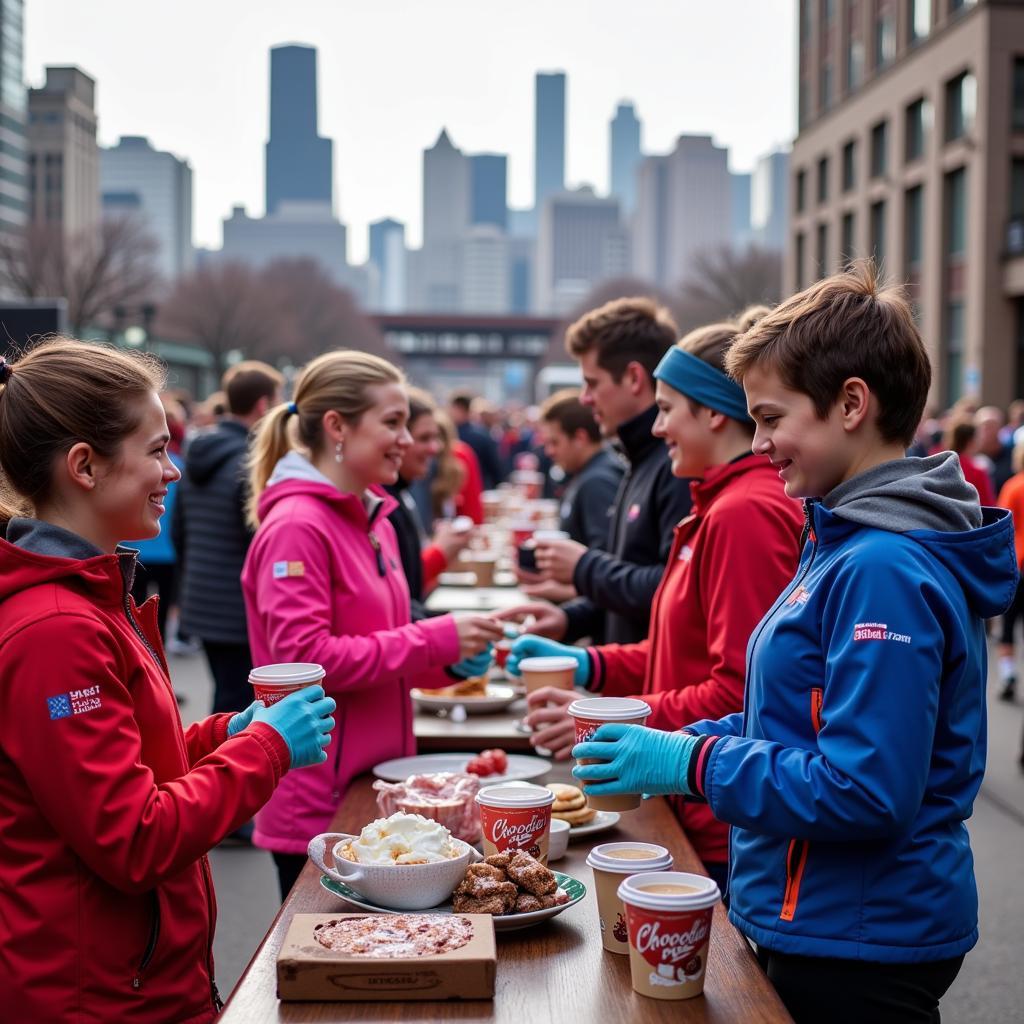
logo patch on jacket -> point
(283, 569)
(77, 702)
(799, 596)
(634, 512)
(878, 631)
(685, 554)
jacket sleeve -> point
(295, 615)
(584, 619)
(89, 772)
(201, 738)
(594, 500)
(866, 778)
(434, 563)
(619, 669)
(731, 725)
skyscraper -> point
(549, 137)
(625, 155)
(739, 186)
(769, 200)
(489, 189)
(13, 103)
(387, 254)
(299, 163)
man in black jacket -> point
(478, 438)
(212, 537)
(618, 347)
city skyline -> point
(383, 104)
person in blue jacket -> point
(849, 774)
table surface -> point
(474, 599)
(556, 971)
(437, 735)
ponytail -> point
(271, 444)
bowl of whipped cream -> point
(404, 861)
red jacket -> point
(468, 502)
(731, 558)
(107, 807)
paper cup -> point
(502, 649)
(668, 919)
(610, 862)
(557, 670)
(522, 531)
(272, 682)
(592, 712)
(516, 817)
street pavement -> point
(989, 989)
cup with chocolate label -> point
(668, 920)
(590, 713)
(272, 682)
(516, 817)
(611, 862)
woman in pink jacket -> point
(323, 583)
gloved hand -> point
(475, 666)
(635, 759)
(303, 719)
(236, 723)
(531, 646)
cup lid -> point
(543, 535)
(287, 674)
(659, 859)
(609, 709)
(553, 663)
(631, 891)
(522, 795)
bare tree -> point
(96, 270)
(726, 281)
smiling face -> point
(375, 447)
(425, 447)
(686, 431)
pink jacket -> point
(323, 583)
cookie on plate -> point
(581, 816)
(567, 798)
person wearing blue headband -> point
(730, 558)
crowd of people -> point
(768, 539)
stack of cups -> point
(590, 713)
(272, 682)
(516, 817)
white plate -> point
(601, 822)
(521, 767)
(498, 698)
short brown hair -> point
(566, 409)
(624, 331)
(247, 382)
(848, 325)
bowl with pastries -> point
(477, 695)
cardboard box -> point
(308, 970)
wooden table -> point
(555, 972)
(475, 599)
(478, 732)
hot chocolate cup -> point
(556, 670)
(668, 919)
(516, 817)
(611, 862)
(272, 682)
(589, 714)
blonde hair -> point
(449, 475)
(336, 381)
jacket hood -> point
(295, 474)
(208, 452)
(929, 501)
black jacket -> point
(616, 589)
(486, 450)
(409, 531)
(586, 508)
(211, 535)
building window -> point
(913, 245)
(802, 102)
(1017, 187)
(955, 251)
(854, 46)
(885, 37)
(847, 245)
(960, 5)
(1017, 105)
(798, 261)
(961, 105)
(919, 123)
(850, 166)
(800, 200)
(919, 19)
(827, 86)
(954, 350)
(876, 242)
(823, 180)
(956, 214)
(879, 149)
(821, 255)
(806, 20)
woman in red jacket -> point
(730, 559)
(108, 806)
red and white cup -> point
(668, 918)
(590, 713)
(272, 682)
(516, 817)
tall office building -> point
(388, 255)
(299, 164)
(769, 200)
(486, 281)
(911, 150)
(684, 209)
(64, 159)
(625, 155)
(156, 186)
(488, 174)
(739, 190)
(13, 111)
(549, 137)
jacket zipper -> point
(796, 859)
(204, 868)
(154, 936)
(138, 630)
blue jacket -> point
(849, 775)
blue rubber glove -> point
(303, 720)
(531, 646)
(475, 666)
(635, 759)
(236, 723)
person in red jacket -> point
(108, 806)
(730, 558)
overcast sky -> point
(193, 75)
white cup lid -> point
(522, 795)
(609, 709)
(707, 894)
(287, 674)
(658, 860)
(555, 663)
(542, 535)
